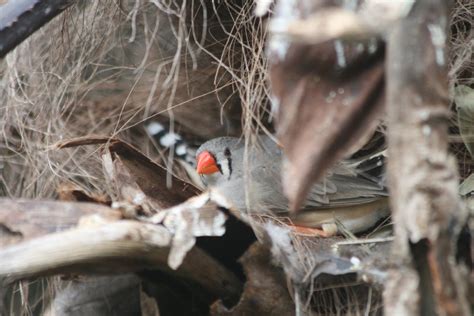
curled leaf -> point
(464, 98)
(198, 216)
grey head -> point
(227, 153)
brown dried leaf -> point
(84, 140)
(136, 179)
(128, 196)
(150, 177)
(68, 191)
(328, 98)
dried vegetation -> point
(103, 68)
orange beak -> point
(206, 164)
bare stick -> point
(122, 246)
(423, 176)
(363, 241)
(20, 19)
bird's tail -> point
(170, 140)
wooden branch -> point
(20, 19)
(123, 246)
(104, 243)
(25, 219)
(422, 174)
(371, 19)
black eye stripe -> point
(229, 161)
(228, 155)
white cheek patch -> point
(225, 168)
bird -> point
(250, 179)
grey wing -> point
(341, 187)
(346, 189)
(352, 182)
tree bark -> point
(423, 177)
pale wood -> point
(122, 246)
(423, 178)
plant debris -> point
(96, 217)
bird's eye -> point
(227, 152)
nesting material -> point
(203, 67)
